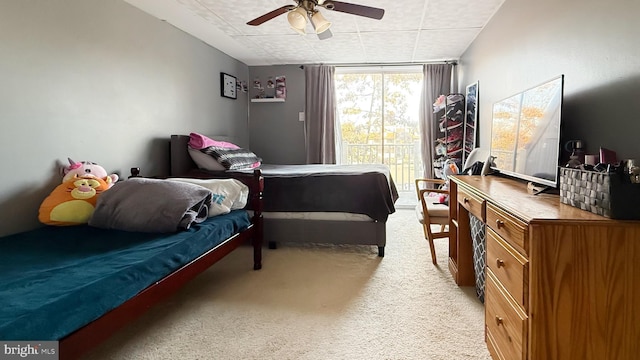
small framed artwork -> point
(228, 86)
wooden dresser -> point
(561, 283)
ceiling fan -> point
(306, 10)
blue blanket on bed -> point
(54, 280)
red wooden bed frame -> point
(91, 335)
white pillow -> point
(228, 194)
(205, 161)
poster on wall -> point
(281, 87)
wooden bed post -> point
(258, 220)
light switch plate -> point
(301, 116)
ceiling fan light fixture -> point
(319, 22)
(299, 31)
(298, 19)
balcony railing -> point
(403, 160)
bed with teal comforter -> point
(55, 280)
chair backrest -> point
(477, 154)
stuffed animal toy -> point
(87, 168)
(73, 201)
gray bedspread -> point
(359, 189)
(362, 189)
(151, 205)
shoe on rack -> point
(454, 147)
(455, 134)
(469, 136)
(454, 111)
(448, 124)
(468, 147)
(439, 104)
(439, 161)
(452, 98)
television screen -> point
(525, 133)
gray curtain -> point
(436, 82)
(320, 109)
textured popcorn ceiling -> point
(411, 31)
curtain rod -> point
(453, 62)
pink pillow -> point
(199, 141)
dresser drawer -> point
(509, 266)
(506, 322)
(512, 229)
(474, 204)
(492, 346)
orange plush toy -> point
(73, 201)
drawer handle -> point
(499, 320)
(499, 263)
(499, 223)
(465, 200)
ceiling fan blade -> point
(270, 15)
(325, 35)
(355, 9)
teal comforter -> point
(54, 280)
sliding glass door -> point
(378, 110)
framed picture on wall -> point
(228, 86)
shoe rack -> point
(450, 130)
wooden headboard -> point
(181, 162)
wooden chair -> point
(430, 212)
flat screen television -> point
(525, 133)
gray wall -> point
(593, 43)
(100, 81)
(276, 135)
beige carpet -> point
(316, 302)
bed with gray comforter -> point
(354, 189)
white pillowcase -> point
(228, 194)
(205, 161)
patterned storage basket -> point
(479, 241)
(606, 194)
